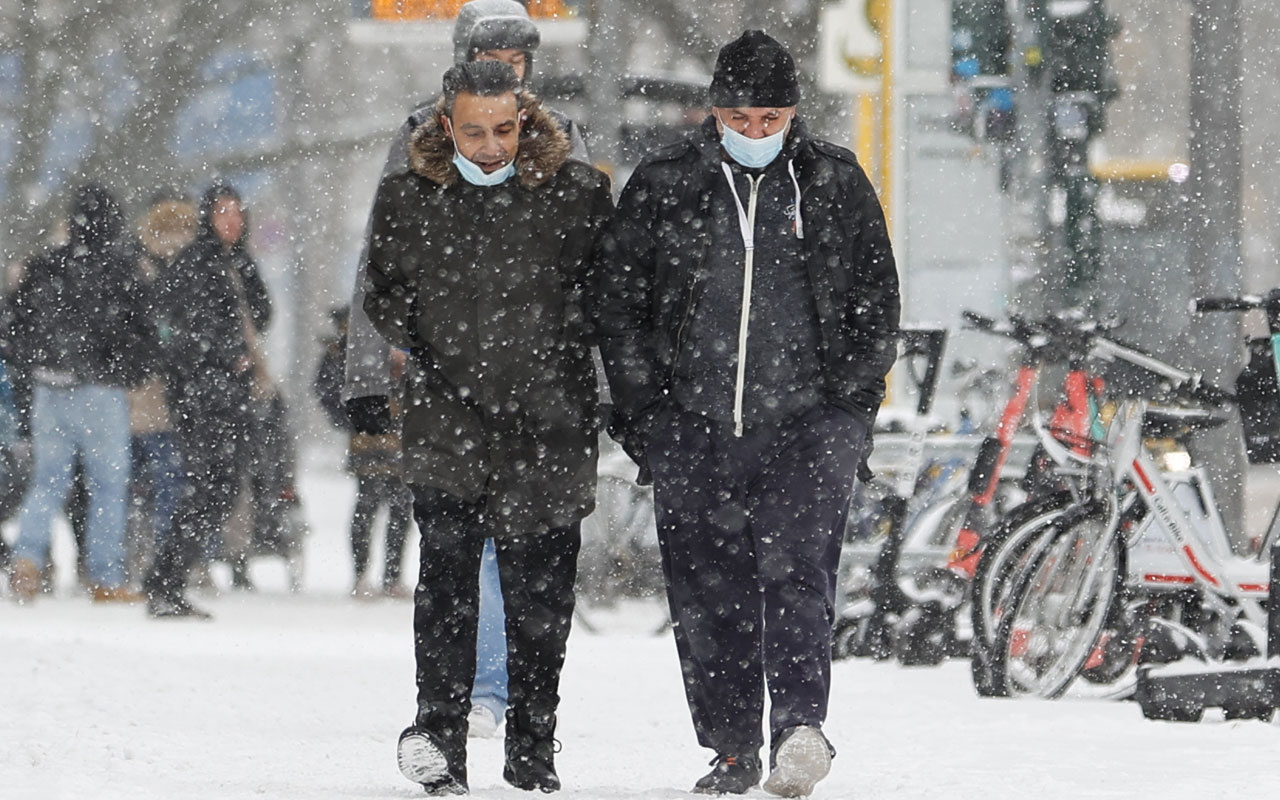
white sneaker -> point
(802, 759)
(481, 723)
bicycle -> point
(1091, 556)
(912, 608)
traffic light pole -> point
(1214, 228)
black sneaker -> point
(173, 607)
(801, 757)
(422, 759)
(730, 774)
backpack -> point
(1258, 398)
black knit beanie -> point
(754, 71)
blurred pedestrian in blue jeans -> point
(79, 331)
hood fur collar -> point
(543, 147)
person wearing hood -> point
(478, 266)
(485, 30)
(78, 330)
(215, 306)
(748, 310)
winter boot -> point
(24, 579)
(176, 607)
(730, 774)
(530, 749)
(115, 594)
(434, 761)
(801, 758)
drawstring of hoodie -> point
(791, 170)
(747, 226)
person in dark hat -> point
(747, 307)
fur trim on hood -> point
(542, 151)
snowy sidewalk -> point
(303, 697)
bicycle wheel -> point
(1060, 605)
(1004, 550)
(1005, 555)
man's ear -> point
(447, 124)
(521, 119)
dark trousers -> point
(537, 574)
(750, 531)
(373, 491)
(213, 455)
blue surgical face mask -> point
(473, 174)
(752, 153)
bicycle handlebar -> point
(1210, 394)
(1204, 305)
(1016, 328)
(978, 321)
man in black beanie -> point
(747, 308)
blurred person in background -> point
(485, 30)
(747, 310)
(375, 461)
(79, 329)
(18, 456)
(477, 265)
(167, 226)
(216, 307)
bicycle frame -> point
(1074, 416)
(1199, 540)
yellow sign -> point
(862, 53)
(448, 9)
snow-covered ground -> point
(286, 696)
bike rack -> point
(1179, 692)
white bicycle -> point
(1149, 527)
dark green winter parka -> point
(484, 285)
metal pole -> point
(608, 46)
(1214, 228)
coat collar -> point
(542, 151)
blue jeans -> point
(95, 421)
(490, 687)
(157, 461)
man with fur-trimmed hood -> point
(485, 30)
(477, 266)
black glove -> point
(370, 414)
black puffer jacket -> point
(652, 260)
(78, 311)
(484, 285)
(202, 307)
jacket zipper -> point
(684, 323)
(747, 223)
